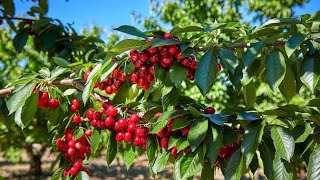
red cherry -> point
(71, 151)
(145, 86)
(123, 123)
(143, 71)
(102, 86)
(97, 116)
(144, 56)
(86, 75)
(106, 104)
(71, 144)
(78, 146)
(185, 131)
(87, 171)
(154, 59)
(134, 118)
(53, 103)
(59, 142)
(209, 110)
(88, 132)
(89, 114)
(77, 165)
(138, 64)
(127, 137)
(73, 108)
(193, 65)
(190, 74)
(131, 127)
(151, 70)
(111, 111)
(179, 56)
(167, 35)
(136, 141)
(119, 136)
(167, 60)
(134, 55)
(219, 67)
(109, 122)
(164, 143)
(163, 51)
(157, 114)
(173, 50)
(76, 119)
(174, 152)
(134, 78)
(186, 62)
(73, 171)
(109, 90)
(162, 133)
(152, 51)
(45, 96)
(76, 103)
(65, 172)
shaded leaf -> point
(252, 52)
(234, 166)
(131, 30)
(283, 142)
(20, 39)
(197, 132)
(275, 69)
(229, 59)
(111, 148)
(214, 142)
(129, 156)
(313, 168)
(310, 71)
(18, 99)
(293, 43)
(177, 74)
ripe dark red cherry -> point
(109, 122)
(209, 110)
(53, 103)
(134, 118)
(71, 151)
(174, 152)
(111, 111)
(88, 132)
(127, 137)
(167, 35)
(89, 114)
(119, 136)
(164, 143)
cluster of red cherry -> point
(74, 151)
(45, 102)
(227, 151)
(164, 134)
(111, 84)
(165, 56)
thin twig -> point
(17, 18)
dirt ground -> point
(99, 170)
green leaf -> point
(206, 72)
(214, 142)
(229, 59)
(288, 86)
(177, 74)
(252, 52)
(8, 6)
(301, 132)
(78, 133)
(151, 148)
(275, 69)
(161, 122)
(128, 44)
(95, 71)
(293, 43)
(57, 174)
(131, 30)
(180, 123)
(60, 61)
(191, 163)
(179, 30)
(160, 162)
(19, 98)
(249, 92)
(281, 171)
(95, 140)
(17, 118)
(250, 116)
(207, 172)
(182, 144)
(280, 22)
(44, 5)
(57, 72)
(164, 42)
(195, 113)
(315, 17)
(218, 119)
(129, 156)
(20, 40)
(283, 142)
(69, 92)
(234, 166)
(267, 153)
(197, 132)
(111, 148)
(122, 94)
(313, 168)
(82, 175)
(28, 111)
(108, 70)
(252, 139)
(45, 71)
(87, 91)
(310, 71)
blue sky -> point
(110, 14)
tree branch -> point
(17, 18)
(77, 83)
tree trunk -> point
(35, 152)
